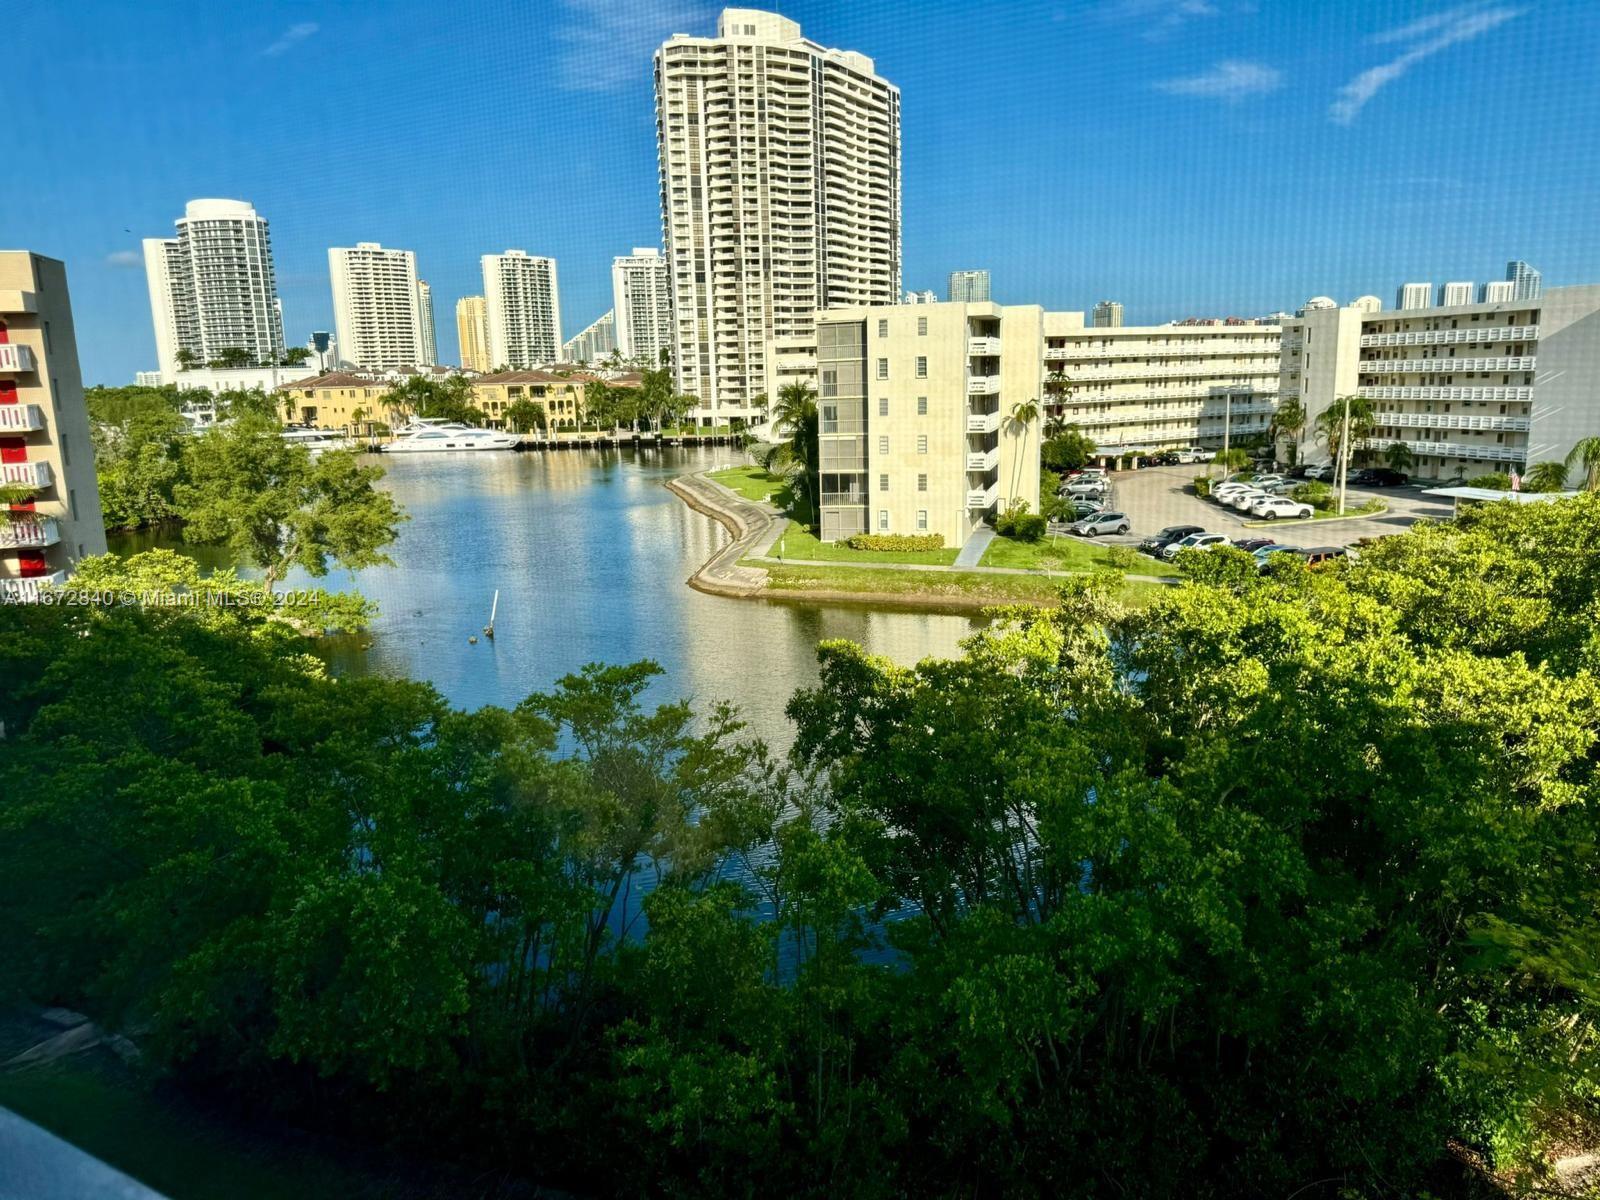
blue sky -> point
(1183, 156)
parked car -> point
(1321, 555)
(1194, 454)
(1101, 522)
(1170, 458)
(1251, 545)
(1195, 541)
(1379, 477)
(1272, 507)
(1266, 481)
(1263, 556)
(1083, 507)
(1283, 487)
(1223, 490)
(1323, 472)
(1246, 500)
(1088, 487)
(1159, 541)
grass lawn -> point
(753, 483)
(799, 542)
(958, 586)
(1070, 554)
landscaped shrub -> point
(1021, 524)
(1318, 495)
(1497, 482)
(1202, 486)
(895, 541)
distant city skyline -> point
(1110, 210)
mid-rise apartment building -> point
(523, 305)
(377, 306)
(1467, 389)
(598, 340)
(213, 288)
(641, 301)
(967, 287)
(780, 196)
(472, 333)
(923, 416)
(1136, 388)
(44, 431)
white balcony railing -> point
(984, 460)
(983, 347)
(30, 533)
(985, 498)
(1219, 348)
(21, 418)
(1514, 395)
(983, 385)
(15, 359)
(29, 474)
(26, 591)
(1452, 337)
(1490, 453)
(1440, 366)
(1225, 374)
(1453, 421)
(983, 422)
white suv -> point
(1195, 541)
(1272, 507)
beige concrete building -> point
(377, 306)
(1468, 389)
(1135, 389)
(780, 196)
(472, 333)
(44, 430)
(916, 433)
(339, 400)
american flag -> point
(1516, 482)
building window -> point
(922, 326)
(72, 502)
(883, 368)
(922, 406)
(922, 367)
(883, 483)
(883, 444)
(922, 518)
(883, 328)
(922, 443)
(883, 519)
(883, 406)
(922, 483)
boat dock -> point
(590, 441)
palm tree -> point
(1398, 456)
(1546, 477)
(794, 420)
(1023, 414)
(1288, 421)
(1329, 424)
(1586, 453)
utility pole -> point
(1344, 452)
(1227, 420)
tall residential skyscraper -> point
(430, 344)
(472, 333)
(596, 342)
(1415, 295)
(377, 306)
(641, 295)
(212, 288)
(780, 195)
(968, 287)
(44, 430)
(1526, 283)
(1108, 314)
(1455, 293)
(524, 308)
(1498, 291)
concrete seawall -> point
(753, 526)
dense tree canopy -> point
(1279, 882)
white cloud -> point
(607, 44)
(1448, 28)
(1162, 16)
(124, 258)
(1231, 79)
(290, 38)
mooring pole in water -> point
(488, 630)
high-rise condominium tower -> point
(1108, 314)
(212, 288)
(641, 295)
(430, 344)
(1414, 295)
(524, 309)
(472, 333)
(377, 306)
(780, 195)
(968, 287)
(1457, 292)
(1526, 283)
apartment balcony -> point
(983, 385)
(1218, 348)
(983, 347)
(15, 359)
(13, 301)
(1487, 453)
(984, 460)
(1508, 395)
(29, 474)
(1225, 374)
(985, 498)
(1453, 337)
(26, 591)
(983, 422)
(21, 418)
(30, 533)
(1441, 366)
(1454, 421)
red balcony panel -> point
(13, 450)
(31, 564)
(8, 391)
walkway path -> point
(972, 553)
(940, 568)
(754, 528)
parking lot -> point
(1160, 496)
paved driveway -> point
(1156, 497)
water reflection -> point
(589, 552)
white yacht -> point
(426, 434)
(315, 440)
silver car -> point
(1100, 522)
